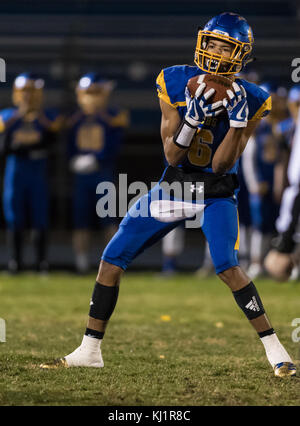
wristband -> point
(238, 124)
(184, 135)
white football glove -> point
(86, 163)
(198, 108)
(237, 107)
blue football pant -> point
(220, 228)
(25, 193)
(85, 200)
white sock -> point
(82, 262)
(274, 350)
(90, 344)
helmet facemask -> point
(214, 63)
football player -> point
(95, 135)
(260, 162)
(285, 130)
(28, 133)
(202, 143)
(244, 215)
(172, 248)
(243, 194)
(281, 260)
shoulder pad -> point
(171, 83)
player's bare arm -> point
(232, 147)
(170, 121)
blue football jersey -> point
(171, 83)
(28, 136)
(100, 135)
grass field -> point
(179, 341)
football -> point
(218, 82)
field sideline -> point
(179, 341)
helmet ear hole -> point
(204, 42)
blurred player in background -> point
(173, 245)
(95, 136)
(284, 131)
(281, 259)
(244, 215)
(243, 194)
(202, 143)
(259, 163)
(172, 248)
(28, 134)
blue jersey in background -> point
(100, 136)
(26, 143)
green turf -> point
(188, 360)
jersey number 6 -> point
(200, 152)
